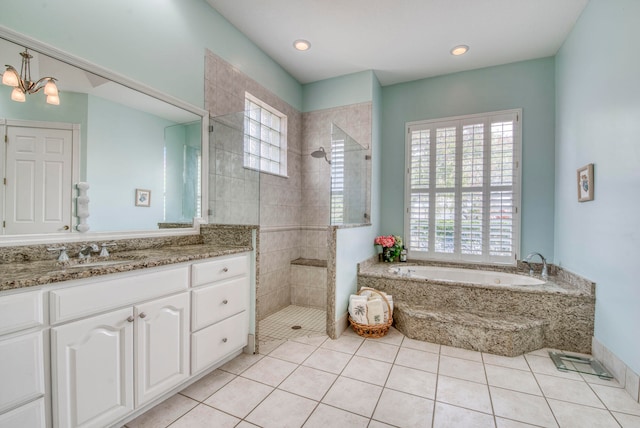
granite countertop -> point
(554, 284)
(16, 275)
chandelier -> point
(22, 83)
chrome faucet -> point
(544, 274)
(63, 257)
(86, 250)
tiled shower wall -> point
(279, 197)
(355, 120)
(293, 211)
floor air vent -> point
(575, 363)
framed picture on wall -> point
(143, 198)
(585, 183)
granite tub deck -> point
(502, 320)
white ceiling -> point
(401, 40)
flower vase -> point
(387, 254)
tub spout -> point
(544, 274)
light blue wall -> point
(528, 85)
(158, 42)
(340, 91)
(353, 244)
(121, 159)
(598, 121)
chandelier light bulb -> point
(50, 88)
(10, 78)
(53, 100)
(18, 95)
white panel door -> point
(92, 365)
(21, 369)
(38, 174)
(32, 415)
(162, 346)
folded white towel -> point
(367, 291)
(386, 308)
(375, 311)
(358, 308)
(364, 291)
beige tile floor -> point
(392, 382)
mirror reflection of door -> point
(37, 166)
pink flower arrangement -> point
(391, 246)
(385, 241)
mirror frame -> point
(74, 236)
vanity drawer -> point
(219, 269)
(215, 342)
(21, 311)
(219, 301)
(21, 370)
(99, 295)
(30, 415)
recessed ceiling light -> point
(459, 50)
(302, 45)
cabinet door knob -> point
(225, 301)
(225, 269)
(143, 315)
(130, 319)
(224, 340)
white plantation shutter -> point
(337, 181)
(463, 188)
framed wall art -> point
(585, 183)
(143, 198)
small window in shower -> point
(265, 137)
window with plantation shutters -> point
(265, 141)
(463, 188)
(337, 181)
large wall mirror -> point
(142, 154)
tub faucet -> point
(86, 250)
(544, 274)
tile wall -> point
(309, 286)
(355, 120)
(279, 197)
(293, 212)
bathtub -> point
(464, 276)
(496, 312)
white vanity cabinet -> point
(93, 370)
(22, 361)
(107, 365)
(99, 351)
(161, 346)
(220, 309)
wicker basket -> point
(375, 330)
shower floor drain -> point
(575, 363)
(296, 327)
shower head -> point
(320, 153)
